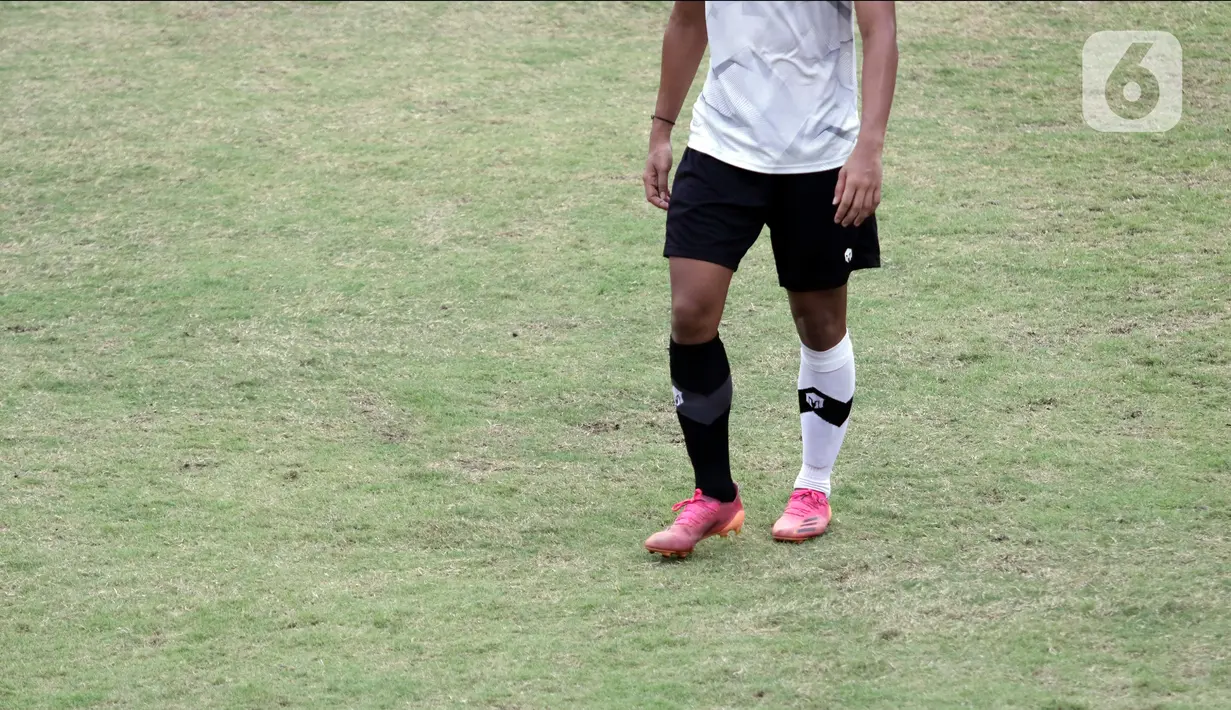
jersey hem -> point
(702, 144)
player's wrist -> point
(660, 131)
(871, 140)
(661, 125)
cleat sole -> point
(669, 554)
(797, 539)
(735, 526)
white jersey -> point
(780, 95)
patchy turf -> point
(333, 374)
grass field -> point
(333, 374)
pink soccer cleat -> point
(807, 516)
(702, 517)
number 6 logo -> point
(1132, 82)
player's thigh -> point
(811, 252)
(716, 211)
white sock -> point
(826, 389)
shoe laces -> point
(804, 502)
(695, 509)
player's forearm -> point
(879, 75)
(683, 46)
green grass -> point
(333, 374)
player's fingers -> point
(870, 199)
(840, 187)
(845, 213)
(868, 207)
(874, 201)
(650, 179)
(856, 205)
(664, 190)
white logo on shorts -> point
(849, 255)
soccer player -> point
(776, 140)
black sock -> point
(701, 378)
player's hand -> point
(859, 187)
(657, 168)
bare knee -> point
(820, 318)
(694, 320)
(820, 331)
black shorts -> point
(717, 211)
